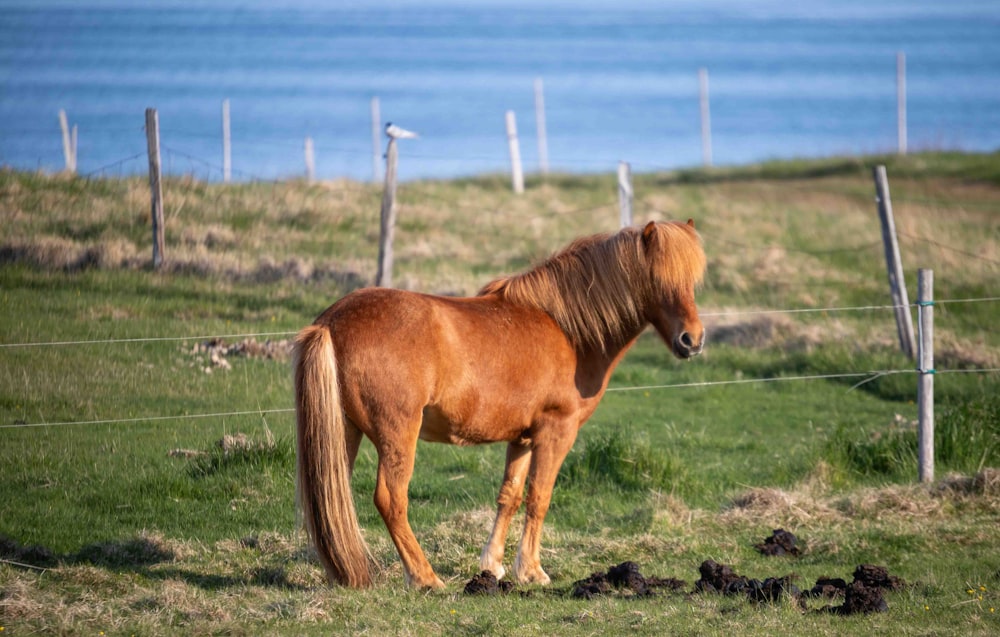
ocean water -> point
(620, 80)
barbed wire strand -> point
(745, 381)
(947, 248)
(120, 421)
(868, 377)
(808, 310)
(119, 163)
(150, 339)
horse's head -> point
(677, 265)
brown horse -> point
(525, 362)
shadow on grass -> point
(139, 556)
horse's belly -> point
(438, 427)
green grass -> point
(113, 479)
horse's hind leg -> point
(511, 494)
(395, 468)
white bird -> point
(396, 132)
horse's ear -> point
(691, 223)
(648, 233)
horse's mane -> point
(597, 288)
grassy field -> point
(146, 442)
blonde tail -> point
(324, 488)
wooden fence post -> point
(310, 156)
(383, 277)
(901, 101)
(925, 386)
(156, 190)
(516, 175)
(706, 117)
(69, 142)
(543, 142)
(376, 138)
(897, 287)
(227, 160)
(625, 193)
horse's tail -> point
(324, 487)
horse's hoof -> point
(425, 584)
(536, 576)
(497, 569)
(434, 584)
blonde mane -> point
(598, 287)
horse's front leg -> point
(395, 468)
(511, 494)
(550, 446)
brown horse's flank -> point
(526, 362)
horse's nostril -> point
(686, 340)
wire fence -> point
(178, 156)
(727, 313)
(863, 376)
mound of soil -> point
(722, 579)
(860, 599)
(718, 578)
(829, 587)
(486, 584)
(863, 595)
(625, 580)
(877, 577)
(781, 542)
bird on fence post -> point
(395, 132)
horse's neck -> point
(595, 367)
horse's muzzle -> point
(686, 347)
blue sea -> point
(786, 79)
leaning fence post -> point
(310, 157)
(897, 287)
(625, 193)
(925, 386)
(516, 175)
(387, 225)
(155, 189)
(69, 142)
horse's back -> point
(468, 369)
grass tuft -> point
(621, 459)
(241, 452)
(966, 438)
